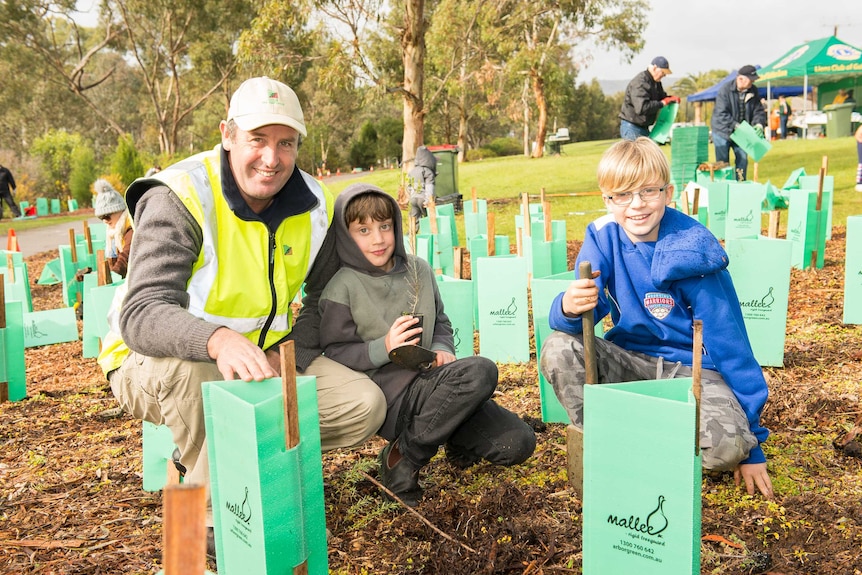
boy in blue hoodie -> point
(362, 319)
(656, 270)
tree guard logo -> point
(653, 525)
(659, 304)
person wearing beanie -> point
(644, 99)
(736, 102)
(110, 207)
(224, 241)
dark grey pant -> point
(725, 436)
(452, 404)
(10, 201)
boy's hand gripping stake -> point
(575, 436)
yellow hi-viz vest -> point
(244, 278)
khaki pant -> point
(167, 391)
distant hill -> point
(611, 87)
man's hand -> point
(754, 474)
(758, 129)
(236, 356)
(666, 101)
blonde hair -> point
(630, 165)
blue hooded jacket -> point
(655, 290)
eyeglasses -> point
(646, 195)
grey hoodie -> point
(361, 302)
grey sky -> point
(697, 36)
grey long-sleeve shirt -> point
(155, 320)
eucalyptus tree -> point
(184, 51)
(63, 53)
(359, 23)
(462, 69)
(539, 34)
(181, 52)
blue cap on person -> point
(660, 62)
(263, 101)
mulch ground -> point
(71, 499)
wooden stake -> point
(288, 385)
(473, 198)
(755, 171)
(546, 211)
(184, 531)
(458, 254)
(88, 236)
(4, 385)
(574, 435)
(525, 206)
(774, 223)
(695, 206)
(10, 265)
(101, 274)
(73, 248)
(696, 370)
(492, 231)
(823, 166)
(683, 198)
(432, 216)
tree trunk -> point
(413, 57)
(526, 105)
(542, 105)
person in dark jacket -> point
(735, 102)
(644, 99)
(7, 184)
(420, 182)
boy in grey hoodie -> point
(367, 310)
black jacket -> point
(7, 182)
(725, 116)
(642, 101)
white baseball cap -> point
(264, 101)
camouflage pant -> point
(725, 436)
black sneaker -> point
(401, 479)
(459, 458)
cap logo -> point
(273, 96)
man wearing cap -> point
(737, 101)
(644, 98)
(223, 242)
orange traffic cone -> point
(12, 242)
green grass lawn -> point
(575, 171)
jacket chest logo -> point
(286, 250)
(659, 304)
